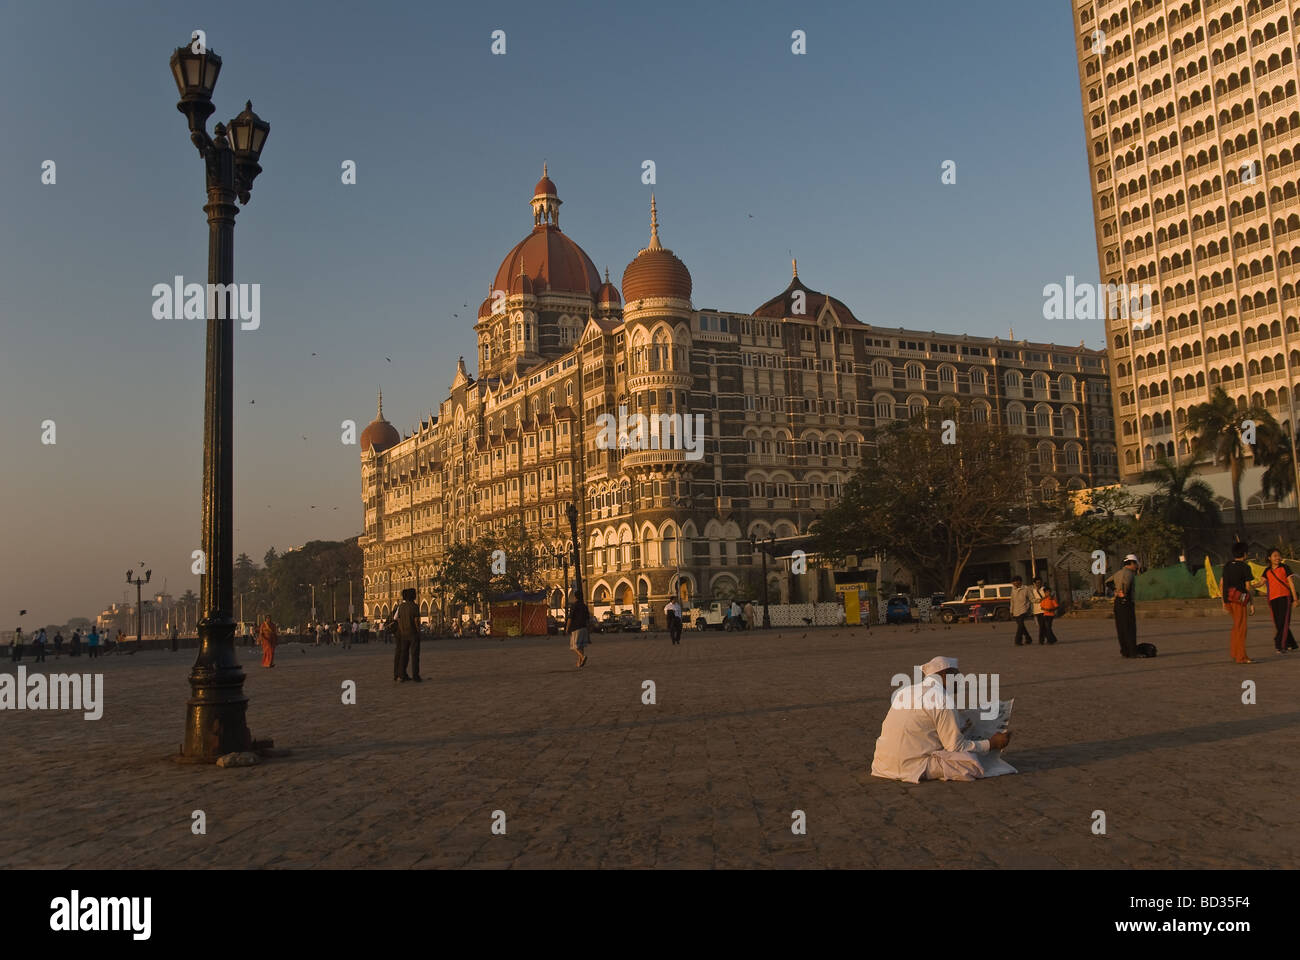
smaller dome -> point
(485, 309)
(607, 295)
(656, 271)
(544, 188)
(379, 434)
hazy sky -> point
(837, 155)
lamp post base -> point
(215, 714)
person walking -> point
(1282, 597)
(16, 645)
(92, 644)
(1036, 594)
(1049, 607)
(1021, 608)
(577, 620)
(356, 631)
(673, 614)
(406, 623)
(58, 644)
(750, 623)
(75, 649)
(345, 634)
(268, 637)
(1125, 581)
(38, 645)
(1237, 601)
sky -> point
(834, 156)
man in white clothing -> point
(673, 614)
(922, 739)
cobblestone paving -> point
(747, 729)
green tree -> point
(928, 504)
(1217, 425)
(1182, 501)
(1278, 481)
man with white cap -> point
(922, 739)
(1125, 613)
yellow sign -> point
(852, 612)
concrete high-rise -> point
(1193, 137)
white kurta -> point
(921, 738)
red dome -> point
(553, 261)
(656, 271)
(607, 295)
(380, 434)
(545, 188)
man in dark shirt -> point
(576, 621)
(1238, 578)
(1126, 627)
(406, 620)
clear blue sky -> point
(836, 154)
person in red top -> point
(1049, 605)
(1282, 597)
(268, 638)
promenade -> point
(747, 728)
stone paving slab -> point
(746, 729)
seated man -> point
(922, 736)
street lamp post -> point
(572, 513)
(313, 599)
(138, 582)
(216, 713)
(762, 546)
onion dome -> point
(380, 434)
(656, 272)
(555, 263)
(607, 296)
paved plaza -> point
(746, 729)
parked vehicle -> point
(609, 623)
(629, 622)
(716, 616)
(899, 609)
(994, 600)
(553, 625)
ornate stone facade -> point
(786, 394)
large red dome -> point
(552, 262)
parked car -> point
(609, 623)
(994, 600)
(629, 621)
(898, 609)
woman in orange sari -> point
(268, 638)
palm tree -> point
(1181, 499)
(1278, 481)
(1217, 426)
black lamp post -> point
(762, 546)
(138, 583)
(572, 512)
(215, 719)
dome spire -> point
(794, 267)
(380, 414)
(654, 226)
